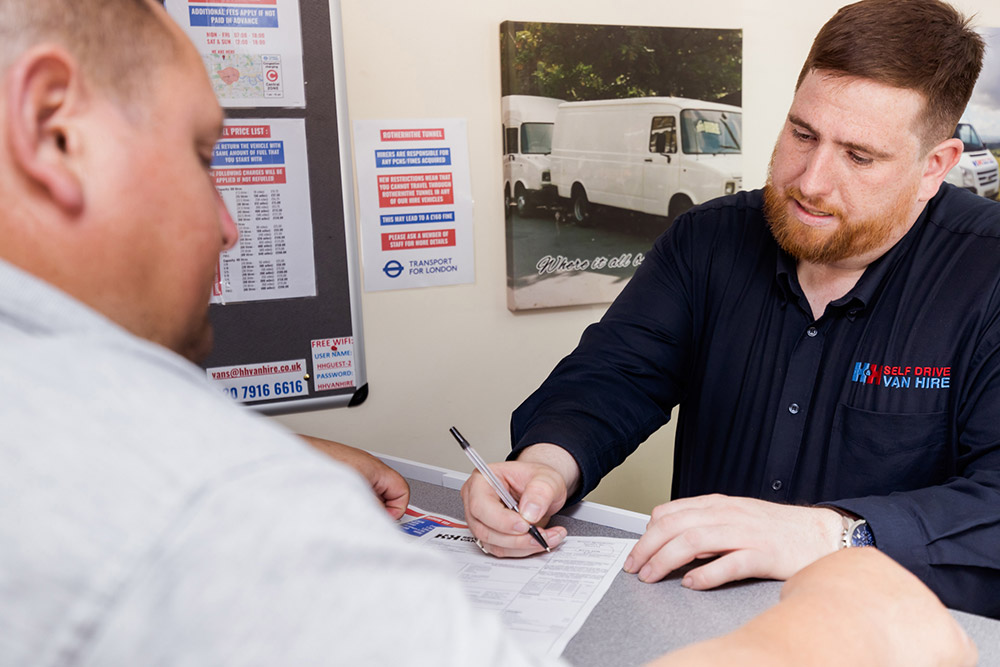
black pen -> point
(501, 490)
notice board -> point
(286, 305)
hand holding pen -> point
(498, 488)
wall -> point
(447, 356)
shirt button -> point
(776, 485)
(811, 332)
(794, 408)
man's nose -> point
(817, 178)
(230, 235)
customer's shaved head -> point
(116, 42)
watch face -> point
(862, 536)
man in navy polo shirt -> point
(833, 342)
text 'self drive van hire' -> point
(656, 155)
(527, 142)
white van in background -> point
(527, 142)
(977, 168)
(656, 155)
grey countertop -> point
(636, 622)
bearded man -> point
(833, 342)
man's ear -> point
(43, 95)
(937, 164)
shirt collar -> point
(868, 287)
(34, 307)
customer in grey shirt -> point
(144, 518)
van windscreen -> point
(536, 138)
(709, 131)
(969, 137)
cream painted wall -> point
(446, 356)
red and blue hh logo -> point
(867, 373)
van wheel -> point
(678, 205)
(581, 207)
(524, 207)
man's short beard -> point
(851, 238)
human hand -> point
(540, 491)
(752, 538)
(854, 607)
(389, 486)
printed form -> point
(543, 599)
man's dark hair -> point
(921, 45)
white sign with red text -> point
(252, 49)
(333, 363)
(416, 203)
(247, 383)
(260, 170)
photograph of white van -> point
(977, 169)
(608, 134)
(655, 155)
(527, 142)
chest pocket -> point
(875, 453)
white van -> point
(657, 155)
(977, 168)
(527, 142)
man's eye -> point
(860, 160)
(801, 136)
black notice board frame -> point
(268, 331)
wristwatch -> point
(856, 533)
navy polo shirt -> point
(888, 405)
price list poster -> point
(252, 49)
(259, 167)
(415, 201)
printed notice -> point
(416, 203)
(252, 49)
(248, 383)
(333, 363)
(261, 173)
(544, 599)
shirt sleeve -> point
(295, 564)
(620, 383)
(948, 535)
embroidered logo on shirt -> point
(902, 377)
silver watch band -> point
(850, 525)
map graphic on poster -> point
(260, 170)
(252, 49)
(245, 76)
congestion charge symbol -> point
(392, 269)
(272, 75)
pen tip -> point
(548, 550)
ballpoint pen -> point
(501, 490)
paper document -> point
(543, 599)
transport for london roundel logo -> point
(392, 269)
